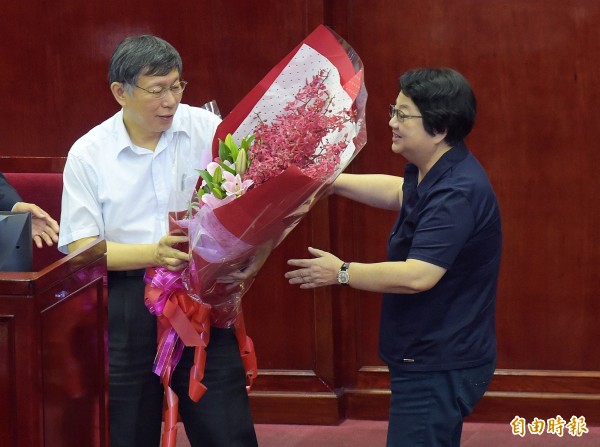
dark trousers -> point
(427, 408)
(221, 417)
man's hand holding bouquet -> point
(275, 155)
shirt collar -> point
(455, 155)
(124, 140)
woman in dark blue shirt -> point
(437, 332)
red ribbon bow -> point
(183, 321)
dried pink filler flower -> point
(293, 136)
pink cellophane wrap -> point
(225, 239)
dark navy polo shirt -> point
(452, 220)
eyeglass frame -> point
(163, 91)
(400, 116)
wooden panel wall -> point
(534, 69)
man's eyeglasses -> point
(400, 116)
(161, 92)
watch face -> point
(343, 277)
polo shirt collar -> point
(452, 157)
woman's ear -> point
(118, 91)
(440, 137)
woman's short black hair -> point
(142, 55)
(445, 100)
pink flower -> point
(293, 137)
(233, 184)
(213, 202)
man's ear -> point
(118, 91)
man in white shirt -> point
(118, 181)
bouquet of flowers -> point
(298, 129)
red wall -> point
(534, 68)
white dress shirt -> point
(122, 192)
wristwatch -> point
(343, 276)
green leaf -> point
(233, 148)
(217, 192)
(206, 176)
(224, 152)
(217, 176)
(247, 142)
(227, 168)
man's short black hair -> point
(142, 55)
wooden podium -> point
(53, 353)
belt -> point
(127, 273)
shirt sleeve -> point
(8, 195)
(81, 212)
(445, 223)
